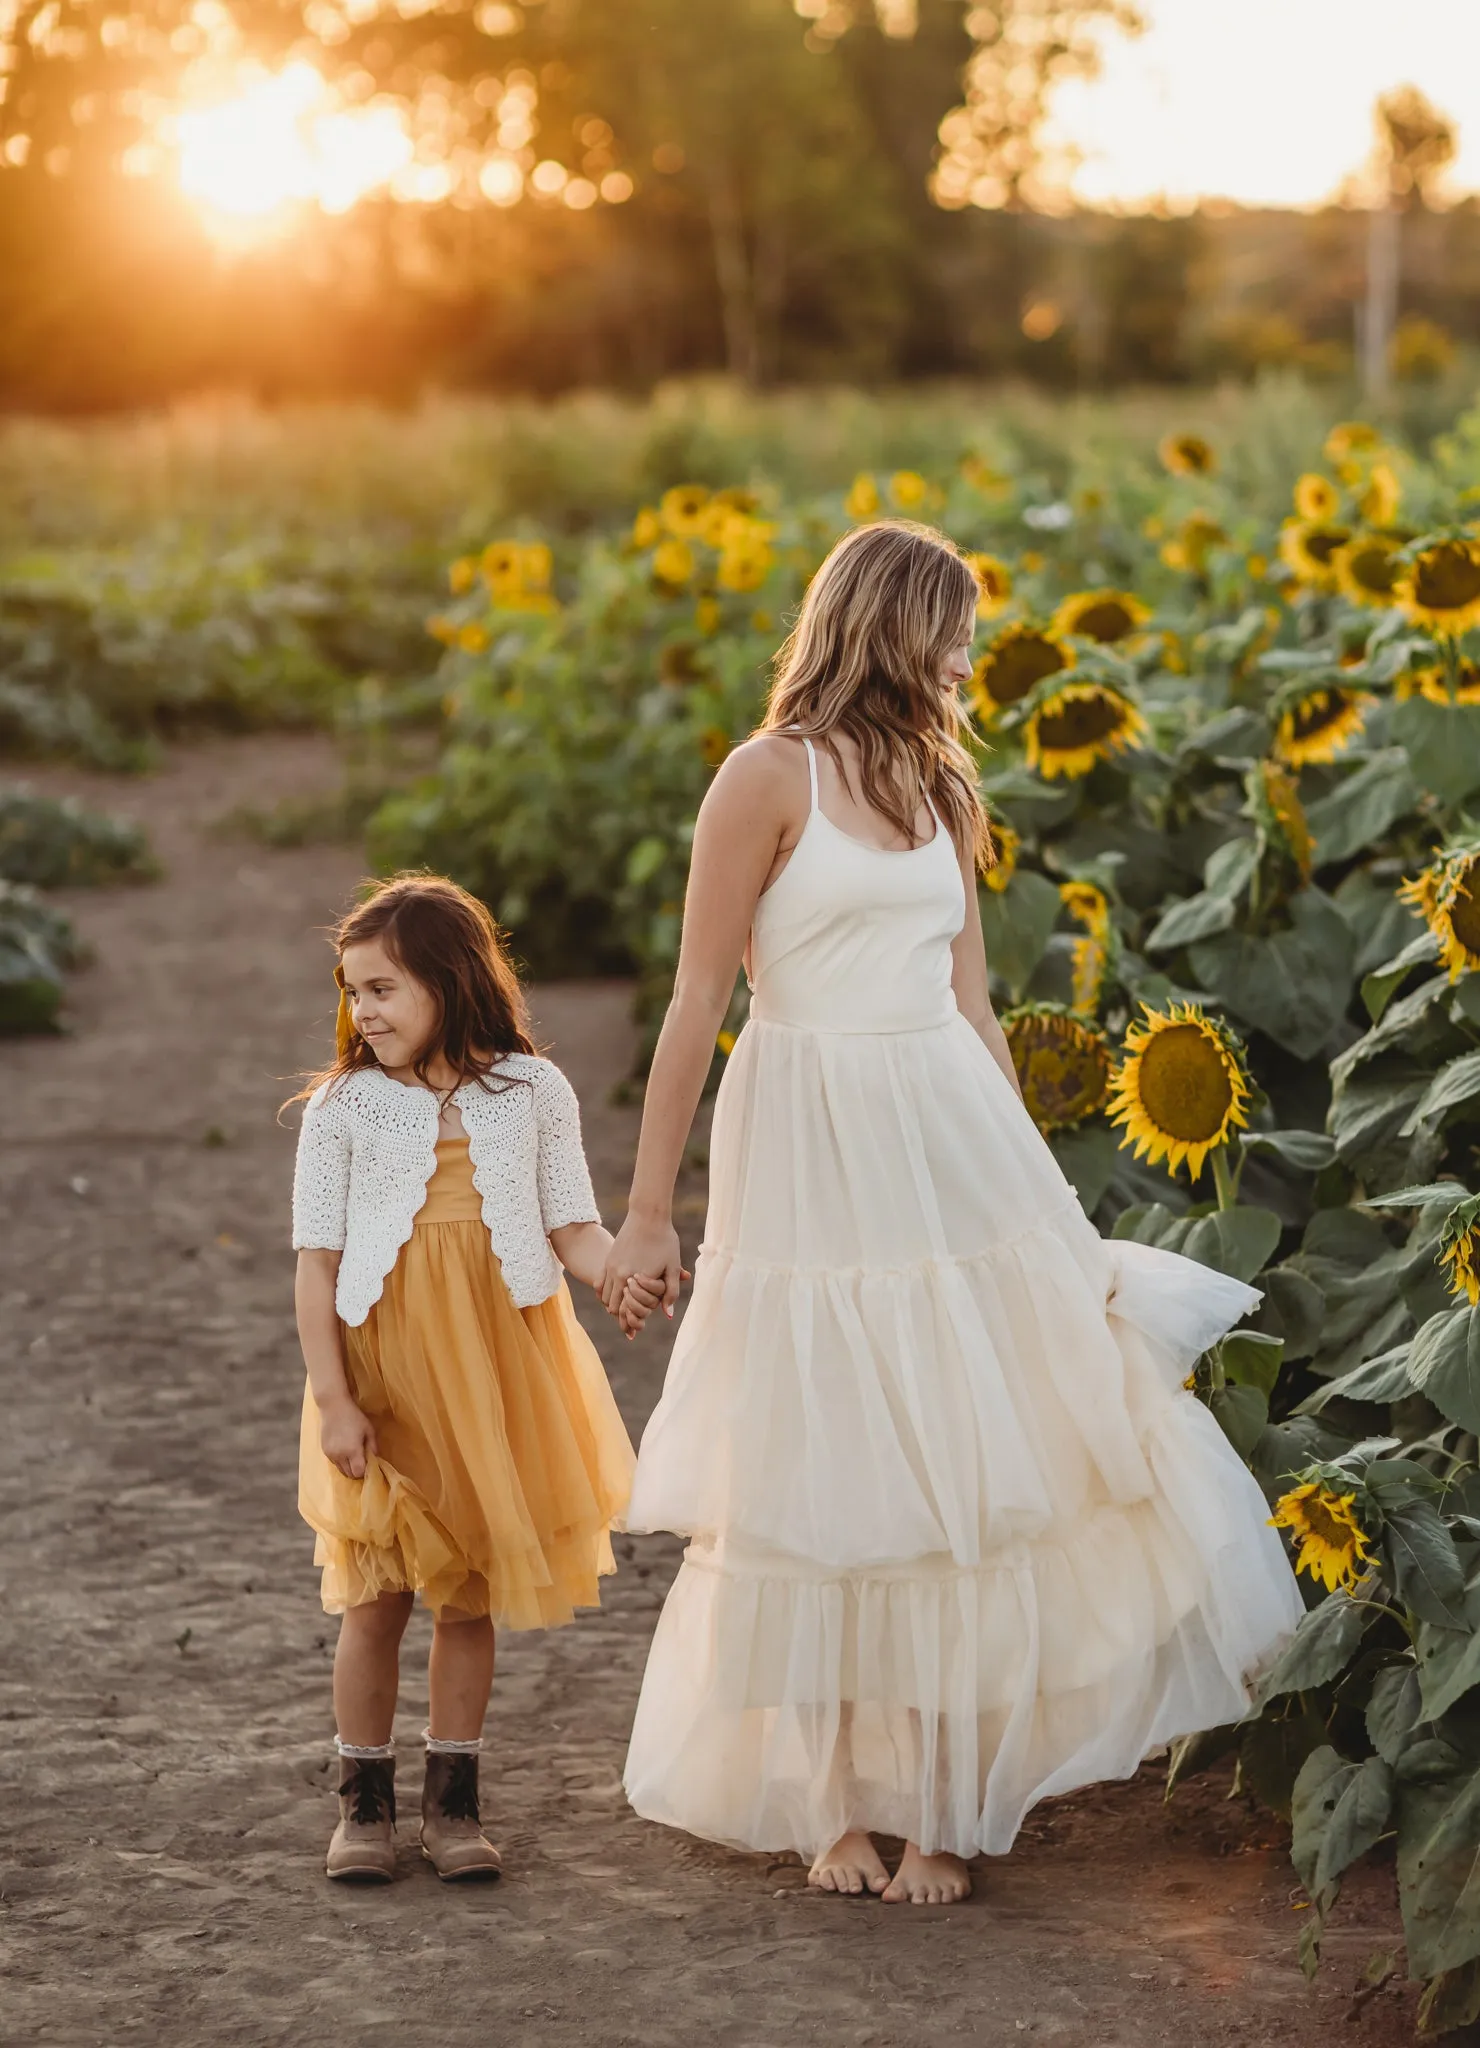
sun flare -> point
(275, 142)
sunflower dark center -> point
(1013, 669)
(1314, 714)
(1464, 915)
(1081, 722)
(1373, 568)
(1322, 542)
(1326, 1526)
(1447, 577)
(1185, 1086)
(1063, 1069)
(1106, 620)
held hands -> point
(644, 1270)
(346, 1437)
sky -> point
(1268, 102)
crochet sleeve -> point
(566, 1194)
(321, 1179)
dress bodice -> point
(851, 937)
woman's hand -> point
(346, 1437)
(643, 1246)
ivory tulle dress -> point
(959, 1540)
(501, 1458)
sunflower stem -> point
(1223, 1179)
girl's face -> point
(394, 1014)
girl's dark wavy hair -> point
(445, 939)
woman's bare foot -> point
(928, 1880)
(851, 1865)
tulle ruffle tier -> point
(959, 1539)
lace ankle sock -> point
(437, 1747)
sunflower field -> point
(1233, 768)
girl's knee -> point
(385, 1617)
(454, 1618)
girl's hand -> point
(640, 1297)
(648, 1249)
(346, 1437)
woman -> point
(958, 1539)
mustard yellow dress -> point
(501, 1459)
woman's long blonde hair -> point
(865, 658)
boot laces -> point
(459, 1796)
(371, 1792)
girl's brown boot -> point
(363, 1847)
(451, 1838)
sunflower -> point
(1447, 897)
(472, 638)
(1006, 844)
(682, 509)
(981, 476)
(1187, 455)
(1379, 503)
(1062, 1063)
(746, 559)
(1018, 658)
(1351, 438)
(1308, 548)
(737, 498)
(536, 565)
(1440, 587)
(462, 575)
(673, 563)
(724, 1042)
(908, 489)
(1316, 497)
(1460, 1250)
(862, 501)
(501, 566)
(714, 744)
(1367, 570)
(1181, 1087)
(1103, 615)
(442, 628)
(993, 582)
(1331, 1545)
(707, 615)
(716, 521)
(1317, 725)
(1277, 799)
(1433, 683)
(1192, 543)
(647, 529)
(1078, 724)
(1088, 905)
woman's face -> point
(394, 1014)
(956, 671)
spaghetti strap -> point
(811, 766)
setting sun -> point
(277, 141)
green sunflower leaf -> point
(1322, 1646)
(1444, 1364)
(1362, 807)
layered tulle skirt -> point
(501, 1459)
(959, 1539)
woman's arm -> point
(346, 1435)
(756, 797)
(969, 978)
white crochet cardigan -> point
(367, 1149)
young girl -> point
(958, 1539)
(459, 1438)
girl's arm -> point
(742, 822)
(969, 978)
(582, 1248)
(320, 1206)
(346, 1435)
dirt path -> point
(164, 1686)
